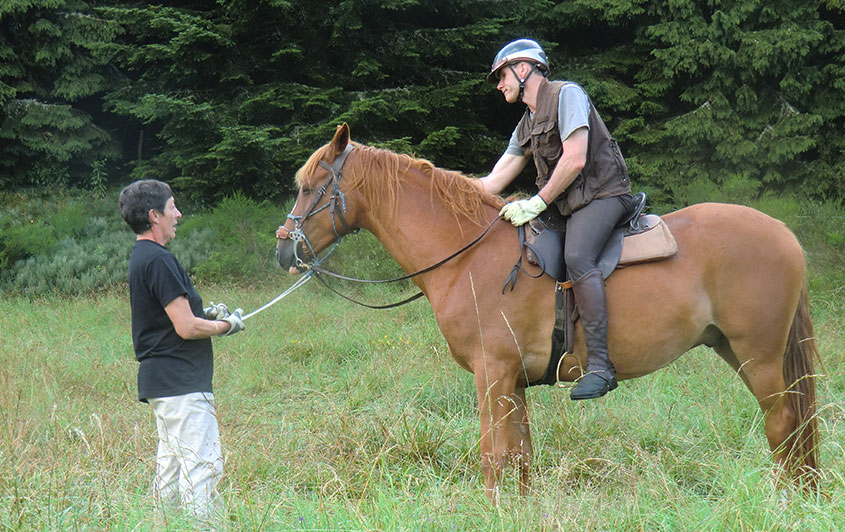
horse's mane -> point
(378, 175)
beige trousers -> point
(189, 463)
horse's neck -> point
(422, 230)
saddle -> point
(638, 238)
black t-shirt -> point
(169, 364)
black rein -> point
(335, 172)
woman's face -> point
(167, 220)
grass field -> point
(338, 418)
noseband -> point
(336, 197)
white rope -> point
(299, 282)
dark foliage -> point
(226, 97)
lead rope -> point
(299, 282)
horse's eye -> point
(306, 191)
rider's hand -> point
(520, 211)
(236, 322)
(215, 312)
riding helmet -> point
(519, 50)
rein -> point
(320, 271)
(317, 269)
(337, 198)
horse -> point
(737, 284)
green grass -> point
(339, 418)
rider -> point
(580, 170)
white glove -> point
(215, 312)
(236, 322)
(520, 211)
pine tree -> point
(707, 97)
(718, 98)
(49, 70)
(238, 94)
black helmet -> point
(516, 51)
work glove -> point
(520, 211)
(236, 322)
(215, 312)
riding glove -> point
(520, 211)
(236, 322)
(215, 312)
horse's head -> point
(319, 216)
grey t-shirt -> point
(573, 112)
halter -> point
(336, 197)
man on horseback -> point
(580, 169)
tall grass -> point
(335, 417)
(339, 418)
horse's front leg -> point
(504, 430)
(520, 435)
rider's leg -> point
(587, 232)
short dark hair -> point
(137, 199)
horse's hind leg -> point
(760, 365)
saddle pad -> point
(653, 243)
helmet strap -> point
(522, 80)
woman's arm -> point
(188, 326)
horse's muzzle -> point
(286, 255)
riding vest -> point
(605, 173)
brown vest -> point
(605, 173)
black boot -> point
(600, 375)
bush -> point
(33, 224)
(82, 245)
(74, 268)
(20, 239)
(243, 240)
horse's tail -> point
(801, 350)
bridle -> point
(336, 198)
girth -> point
(563, 333)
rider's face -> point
(508, 82)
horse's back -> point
(737, 273)
(735, 228)
(734, 244)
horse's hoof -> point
(591, 386)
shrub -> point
(785, 209)
(20, 239)
(75, 267)
(243, 240)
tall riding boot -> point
(600, 375)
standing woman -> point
(171, 333)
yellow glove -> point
(520, 211)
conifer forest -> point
(222, 97)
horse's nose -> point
(284, 253)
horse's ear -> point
(341, 138)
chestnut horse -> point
(737, 284)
